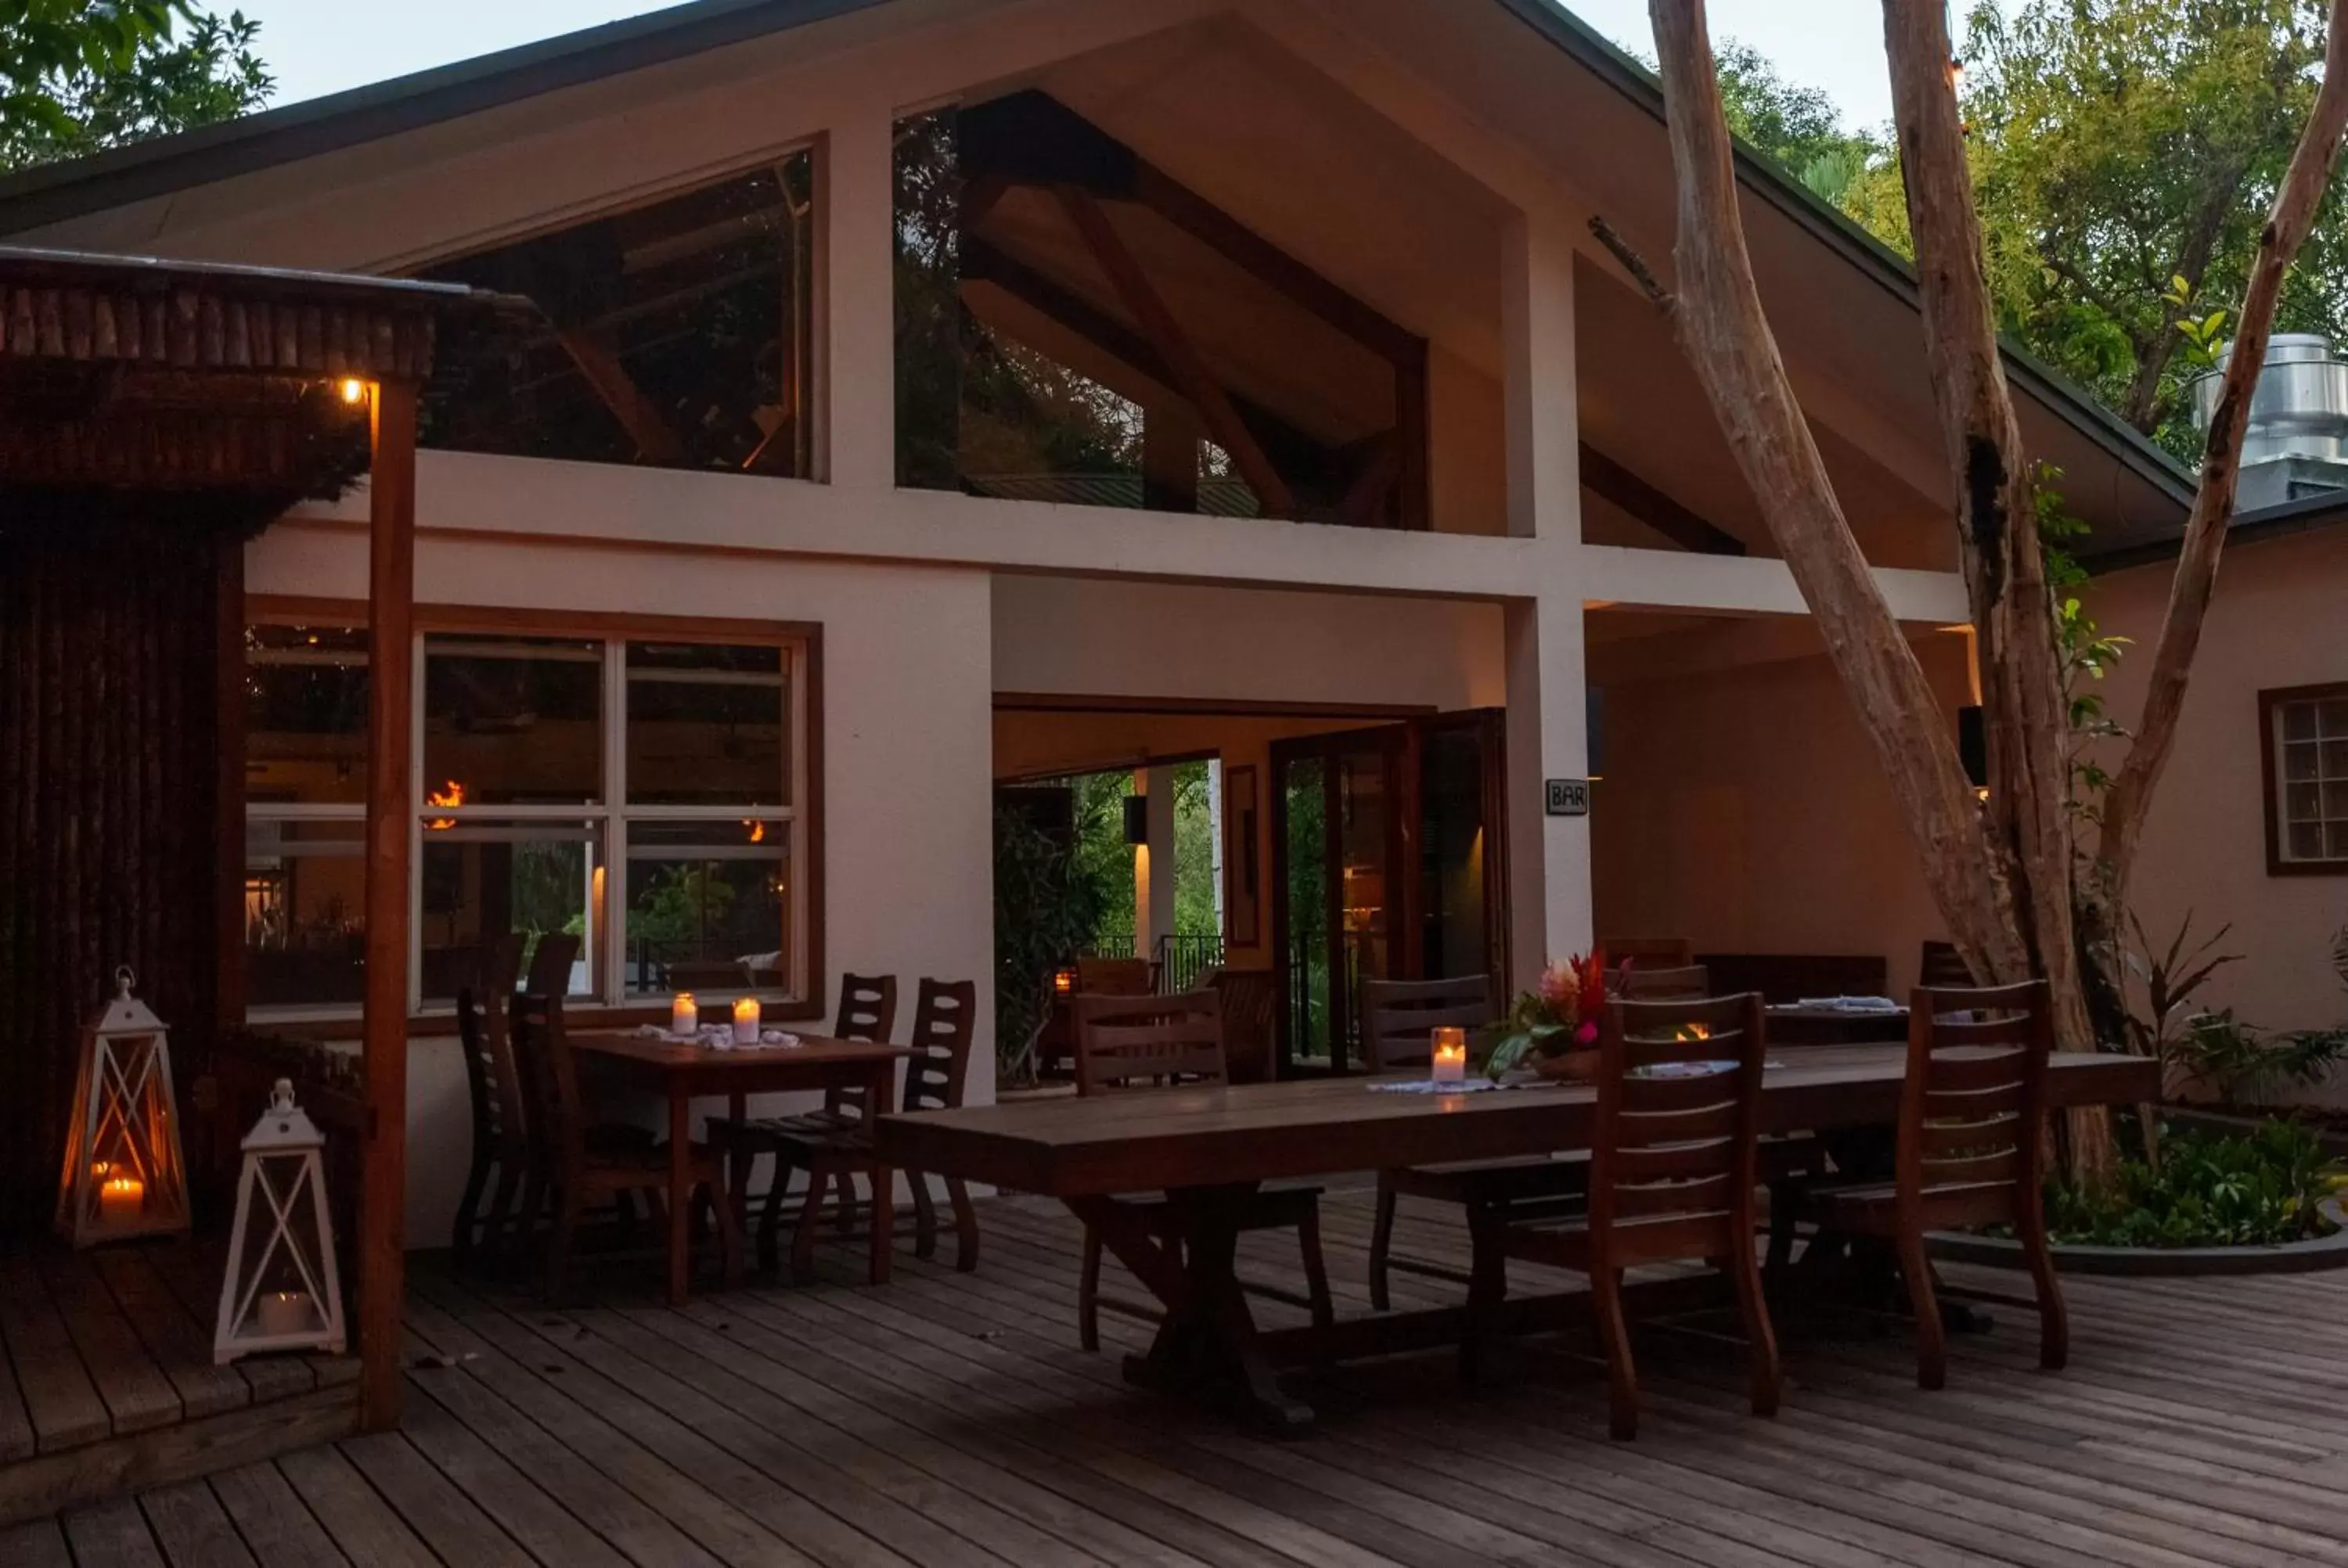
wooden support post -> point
(391, 617)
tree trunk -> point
(1717, 318)
(2024, 713)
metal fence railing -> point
(1180, 957)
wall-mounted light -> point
(1137, 819)
(353, 390)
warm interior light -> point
(757, 830)
(1450, 1064)
(1064, 981)
(451, 793)
(353, 390)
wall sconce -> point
(1137, 819)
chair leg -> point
(1316, 1272)
(1487, 1285)
(925, 1215)
(1381, 1244)
(965, 1226)
(1932, 1335)
(770, 1215)
(460, 1235)
(527, 1218)
(1760, 1336)
(1622, 1372)
(558, 1247)
(499, 1212)
(847, 1217)
(1783, 1204)
(811, 1216)
(2053, 1321)
(1088, 1293)
(729, 1234)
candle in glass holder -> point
(746, 1021)
(1450, 1055)
(120, 1199)
(283, 1312)
(684, 1015)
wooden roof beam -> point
(601, 370)
(1609, 480)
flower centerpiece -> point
(1553, 1028)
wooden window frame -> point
(2271, 703)
(804, 640)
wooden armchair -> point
(1130, 1043)
(1397, 1020)
(1672, 1167)
(583, 1173)
(493, 1077)
(1971, 1120)
(945, 1020)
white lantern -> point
(283, 1291)
(124, 1175)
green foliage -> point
(683, 905)
(2247, 1067)
(2257, 1191)
(1048, 905)
(2086, 652)
(2125, 153)
(2172, 976)
(80, 76)
(1799, 127)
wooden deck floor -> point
(951, 1419)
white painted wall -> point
(907, 750)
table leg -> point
(680, 1194)
(1206, 1344)
(877, 1098)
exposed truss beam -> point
(1608, 479)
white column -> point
(1153, 863)
(857, 195)
(1544, 420)
(1549, 857)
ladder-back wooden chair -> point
(1132, 1044)
(1942, 968)
(1398, 1018)
(550, 977)
(1970, 1118)
(945, 1021)
(584, 1172)
(493, 1077)
(1673, 1169)
(868, 1011)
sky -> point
(319, 46)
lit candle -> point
(684, 1015)
(746, 1021)
(1450, 1055)
(284, 1312)
(120, 1200)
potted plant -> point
(1553, 1028)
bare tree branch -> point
(1633, 262)
(2287, 227)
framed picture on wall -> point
(1242, 874)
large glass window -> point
(549, 763)
(675, 333)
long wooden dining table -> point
(1207, 1148)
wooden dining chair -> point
(584, 1172)
(1133, 1044)
(945, 1021)
(1656, 982)
(868, 1011)
(1942, 968)
(1114, 977)
(549, 976)
(1673, 1169)
(1972, 1115)
(493, 1080)
(1398, 1017)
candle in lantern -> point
(1450, 1055)
(684, 1015)
(283, 1312)
(120, 1199)
(746, 1021)
(1064, 981)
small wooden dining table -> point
(688, 1073)
(1208, 1147)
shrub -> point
(2260, 1190)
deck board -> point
(137, 1394)
(180, 1346)
(58, 1394)
(950, 1420)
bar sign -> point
(1569, 797)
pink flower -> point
(1587, 1034)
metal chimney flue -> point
(2297, 444)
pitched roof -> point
(54, 193)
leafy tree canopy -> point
(1799, 127)
(80, 76)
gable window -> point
(643, 793)
(676, 333)
(2306, 734)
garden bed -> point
(2309, 1257)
